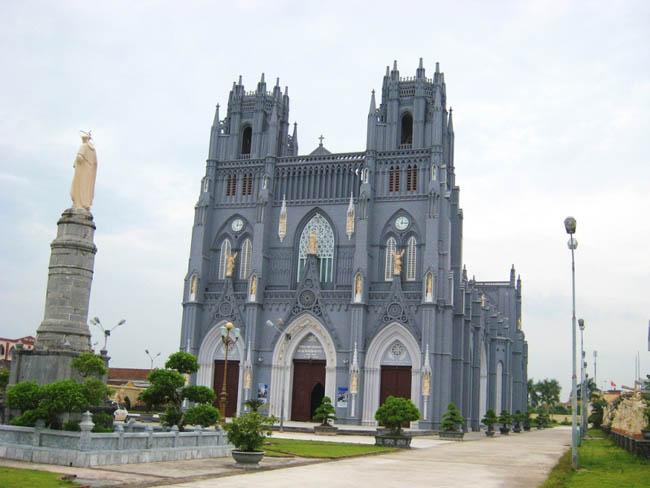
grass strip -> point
(319, 449)
(602, 464)
(29, 478)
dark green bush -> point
(396, 411)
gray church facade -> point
(357, 257)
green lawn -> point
(318, 449)
(602, 464)
(29, 478)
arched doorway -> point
(299, 366)
(394, 359)
(211, 359)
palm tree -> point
(549, 393)
(533, 396)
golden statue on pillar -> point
(397, 262)
(230, 265)
(312, 243)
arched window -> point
(406, 134)
(246, 139)
(245, 260)
(499, 385)
(412, 177)
(393, 179)
(324, 247)
(411, 258)
(247, 184)
(223, 258)
(231, 185)
(391, 246)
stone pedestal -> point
(64, 332)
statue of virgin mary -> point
(85, 171)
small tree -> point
(396, 411)
(517, 418)
(203, 414)
(254, 404)
(325, 412)
(490, 419)
(596, 417)
(451, 418)
(248, 431)
(88, 364)
(505, 418)
(168, 388)
(4, 379)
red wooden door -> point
(395, 381)
(232, 381)
(308, 388)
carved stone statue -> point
(312, 243)
(426, 385)
(354, 383)
(230, 266)
(193, 283)
(429, 283)
(358, 285)
(397, 262)
(85, 171)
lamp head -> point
(570, 225)
(147, 351)
(121, 322)
(581, 324)
(229, 325)
(269, 323)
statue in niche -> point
(397, 262)
(247, 379)
(193, 286)
(312, 243)
(253, 291)
(358, 287)
(230, 265)
(429, 288)
(82, 190)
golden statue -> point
(397, 262)
(426, 385)
(354, 383)
(193, 283)
(429, 285)
(230, 265)
(312, 243)
(247, 379)
(253, 286)
(358, 286)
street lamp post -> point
(225, 330)
(581, 324)
(107, 332)
(151, 357)
(570, 226)
(287, 337)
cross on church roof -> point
(321, 139)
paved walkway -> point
(518, 460)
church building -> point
(343, 272)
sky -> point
(550, 104)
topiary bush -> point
(248, 431)
(490, 419)
(204, 415)
(451, 418)
(325, 411)
(396, 411)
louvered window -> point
(247, 184)
(412, 178)
(231, 185)
(223, 259)
(245, 261)
(393, 179)
(411, 257)
(391, 245)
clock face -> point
(237, 225)
(401, 223)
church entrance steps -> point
(361, 430)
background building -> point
(7, 346)
(358, 328)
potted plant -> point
(517, 419)
(247, 433)
(489, 420)
(395, 412)
(325, 413)
(451, 419)
(525, 419)
(254, 404)
(505, 419)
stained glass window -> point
(324, 246)
(411, 256)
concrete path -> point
(518, 460)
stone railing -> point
(137, 444)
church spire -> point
(419, 74)
(373, 105)
(273, 132)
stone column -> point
(70, 276)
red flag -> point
(613, 384)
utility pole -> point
(595, 377)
